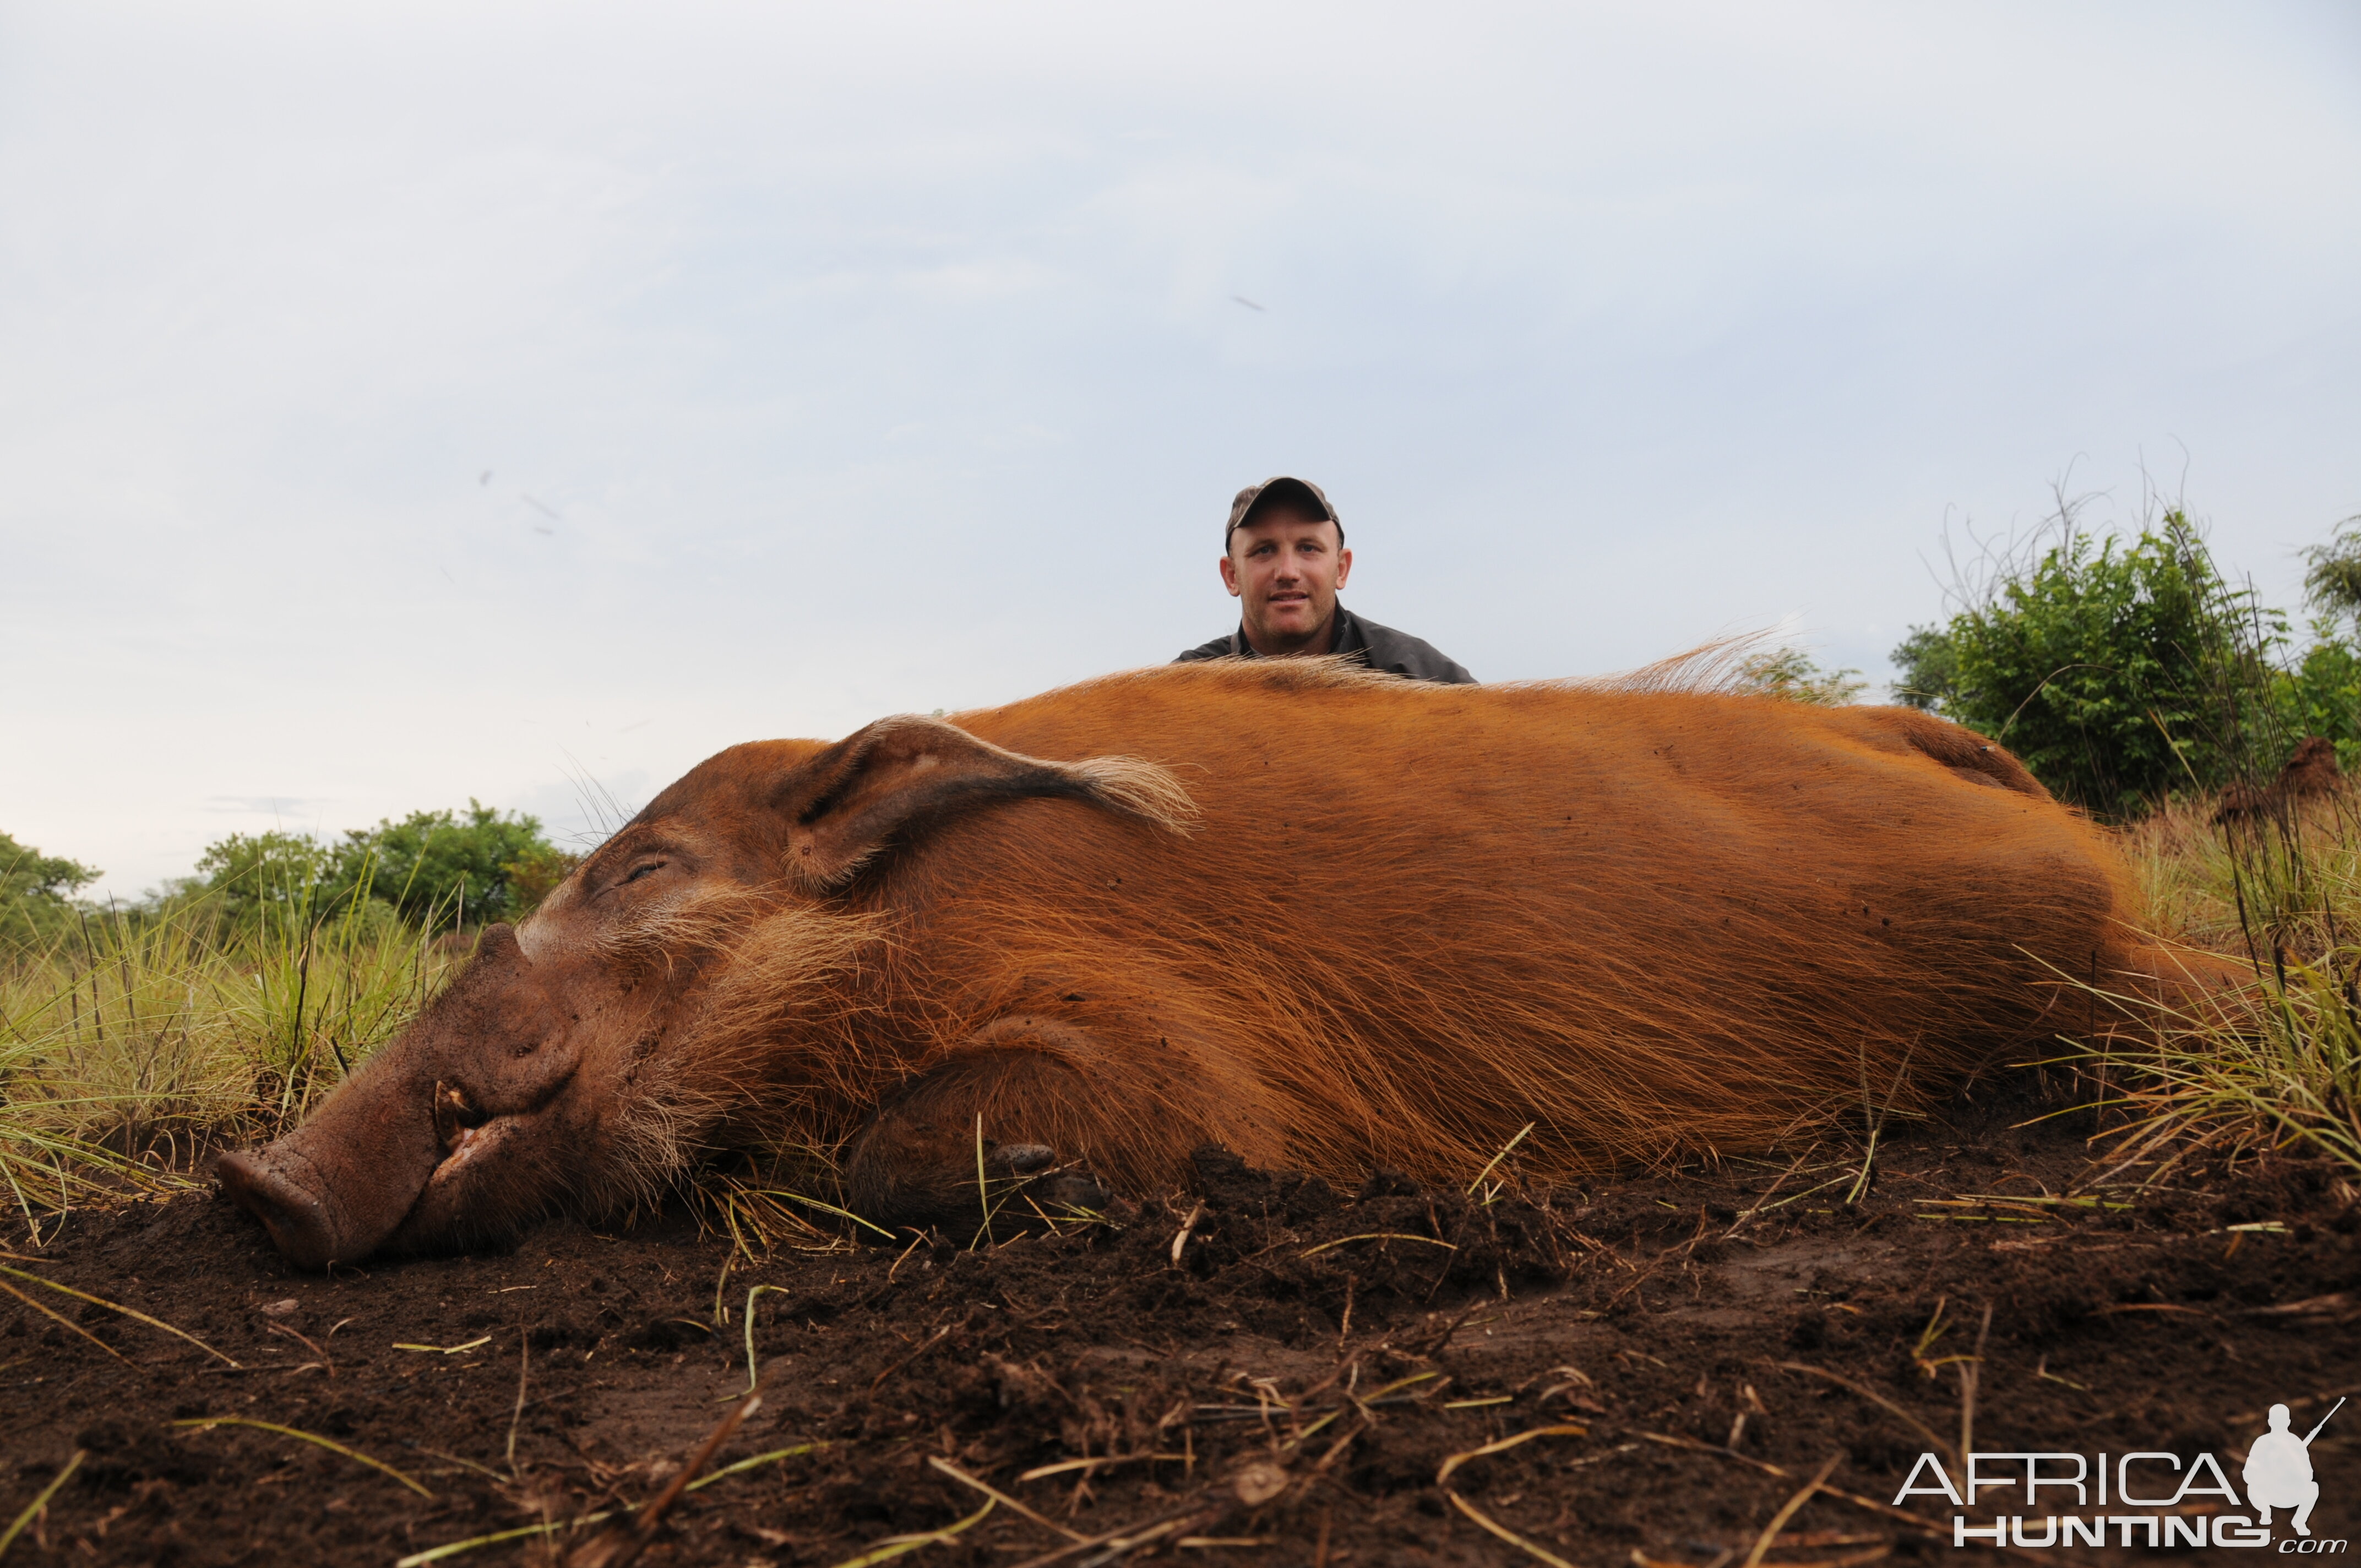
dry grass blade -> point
(1789, 1509)
(1003, 1499)
(65, 1321)
(1378, 1236)
(894, 1546)
(453, 1548)
(1443, 1476)
(1493, 1164)
(1881, 1401)
(208, 1422)
(33, 1509)
(1123, 1538)
(1485, 1522)
(1106, 1461)
(524, 1363)
(751, 1297)
(824, 1208)
(436, 1554)
(1971, 1373)
(759, 1459)
(1916, 1521)
(111, 1307)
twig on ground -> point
(551, 1527)
(1443, 1476)
(453, 1548)
(1187, 1228)
(618, 1547)
(924, 1345)
(748, 1464)
(308, 1343)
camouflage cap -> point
(1300, 495)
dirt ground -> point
(1684, 1352)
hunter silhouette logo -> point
(2278, 1471)
(2147, 1498)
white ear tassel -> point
(1141, 789)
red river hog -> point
(1329, 919)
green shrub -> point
(2118, 671)
(2322, 695)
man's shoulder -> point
(1219, 648)
(1400, 653)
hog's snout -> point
(334, 1188)
(420, 1150)
(302, 1223)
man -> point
(1283, 556)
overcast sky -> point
(408, 403)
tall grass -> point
(132, 1044)
(2277, 1065)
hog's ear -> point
(844, 803)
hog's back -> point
(1417, 917)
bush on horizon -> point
(439, 870)
(2124, 672)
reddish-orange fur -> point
(1415, 917)
(1330, 919)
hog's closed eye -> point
(639, 871)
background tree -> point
(255, 879)
(442, 867)
(37, 892)
(436, 869)
(2332, 580)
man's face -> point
(1286, 568)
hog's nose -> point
(301, 1223)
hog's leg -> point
(1060, 1113)
(925, 1161)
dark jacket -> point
(1364, 642)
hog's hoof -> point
(1018, 1187)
